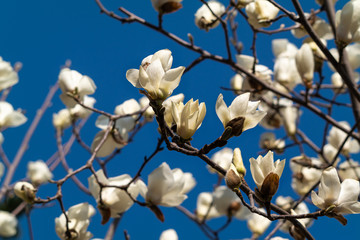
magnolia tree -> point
(300, 178)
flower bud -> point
(25, 191)
(166, 6)
(206, 19)
(232, 178)
(238, 162)
(270, 185)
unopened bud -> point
(270, 185)
(170, 7)
(25, 191)
(238, 162)
(232, 178)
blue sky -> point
(44, 34)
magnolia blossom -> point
(261, 71)
(236, 172)
(268, 141)
(168, 104)
(169, 234)
(258, 224)
(266, 173)
(79, 111)
(166, 6)
(25, 191)
(349, 169)
(319, 26)
(336, 197)
(38, 172)
(9, 117)
(115, 140)
(168, 187)
(8, 77)
(348, 23)
(72, 82)
(79, 219)
(130, 106)
(222, 202)
(205, 18)
(62, 119)
(188, 117)
(353, 53)
(304, 178)
(223, 158)
(289, 115)
(305, 64)
(338, 82)
(155, 75)
(260, 13)
(336, 138)
(114, 199)
(241, 115)
(8, 224)
(149, 112)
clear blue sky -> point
(44, 34)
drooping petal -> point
(132, 75)
(222, 110)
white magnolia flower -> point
(25, 191)
(283, 48)
(155, 75)
(258, 224)
(38, 172)
(241, 115)
(8, 77)
(166, 6)
(149, 112)
(342, 198)
(338, 82)
(349, 169)
(304, 178)
(205, 19)
(9, 117)
(128, 107)
(266, 173)
(168, 104)
(71, 81)
(305, 64)
(223, 158)
(115, 140)
(205, 208)
(79, 219)
(169, 234)
(188, 117)
(80, 112)
(348, 23)
(8, 224)
(289, 114)
(168, 187)
(261, 71)
(260, 13)
(336, 138)
(62, 119)
(115, 199)
(268, 141)
(319, 26)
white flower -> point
(149, 112)
(205, 19)
(38, 172)
(241, 115)
(115, 199)
(290, 115)
(62, 119)
(188, 117)
(349, 169)
(342, 198)
(9, 117)
(8, 224)
(115, 140)
(260, 12)
(205, 208)
(305, 64)
(353, 52)
(261, 71)
(166, 6)
(8, 77)
(304, 178)
(336, 138)
(71, 81)
(25, 191)
(168, 104)
(266, 173)
(79, 219)
(223, 158)
(268, 141)
(168, 187)
(348, 23)
(338, 83)
(79, 111)
(258, 224)
(128, 107)
(319, 26)
(155, 75)
(169, 234)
